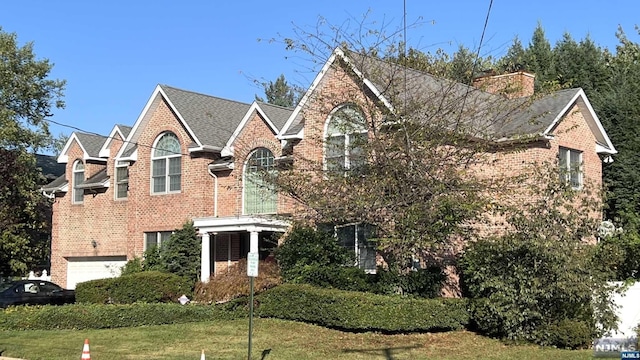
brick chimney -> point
(514, 85)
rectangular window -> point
(122, 180)
(159, 175)
(78, 194)
(570, 162)
(155, 238)
(174, 174)
(335, 153)
(355, 237)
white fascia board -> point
(132, 157)
(307, 95)
(105, 152)
(205, 148)
(244, 223)
(580, 95)
(247, 116)
(94, 158)
(316, 81)
(175, 110)
(136, 125)
(226, 151)
(63, 158)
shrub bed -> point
(95, 316)
(146, 286)
(362, 311)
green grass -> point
(286, 340)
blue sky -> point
(114, 53)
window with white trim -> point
(260, 195)
(155, 239)
(166, 162)
(345, 137)
(122, 179)
(570, 162)
(355, 237)
(78, 179)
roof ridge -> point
(274, 105)
(203, 94)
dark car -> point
(34, 292)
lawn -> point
(283, 340)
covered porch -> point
(228, 239)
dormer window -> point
(166, 162)
(78, 179)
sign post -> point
(252, 272)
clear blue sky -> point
(114, 53)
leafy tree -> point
(417, 190)
(514, 60)
(27, 97)
(180, 255)
(279, 93)
(539, 278)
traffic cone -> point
(202, 356)
(85, 351)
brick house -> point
(191, 156)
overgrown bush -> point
(538, 278)
(234, 283)
(94, 316)
(146, 286)
(362, 311)
(304, 246)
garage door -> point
(80, 269)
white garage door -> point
(81, 269)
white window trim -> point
(357, 228)
(158, 238)
(347, 137)
(244, 182)
(567, 169)
(75, 190)
(120, 165)
(166, 175)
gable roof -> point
(209, 120)
(89, 143)
(492, 115)
(121, 131)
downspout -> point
(215, 192)
(48, 196)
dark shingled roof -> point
(56, 184)
(277, 114)
(125, 129)
(91, 143)
(96, 181)
(486, 115)
(212, 119)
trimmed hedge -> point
(146, 286)
(94, 316)
(362, 311)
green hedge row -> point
(146, 286)
(362, 311)
(94, 316)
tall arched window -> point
(166, 164)
(345, 137)
(260, 196)
(78, 179)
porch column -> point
(205, 258)
(253, 241)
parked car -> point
(34, 292)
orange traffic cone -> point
(202, 356)
(85, 351)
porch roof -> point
(240, 223)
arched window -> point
(345, 137)
(260, 195)
(166, 164)
(78, 179)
